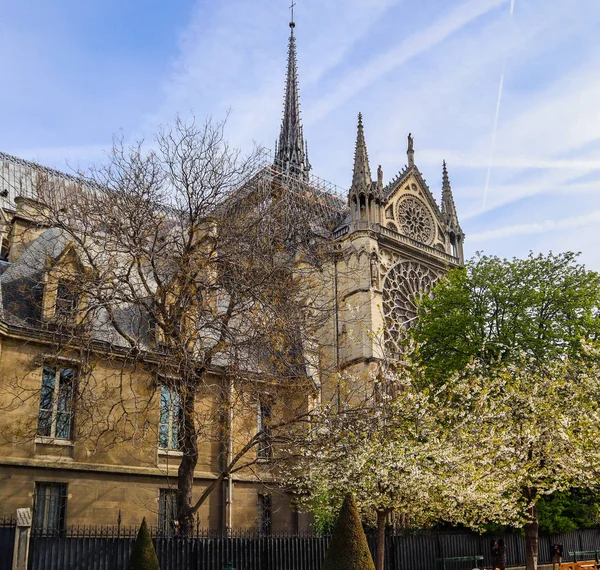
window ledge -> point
(53, 441)
(170, 453)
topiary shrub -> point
(143, 555)
(348, 549)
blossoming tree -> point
(484, 447)
(546, 420)
(409, 452)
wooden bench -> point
(473, 559)
(587, 565)
(582, 560)
(582, 565)
(584, 555)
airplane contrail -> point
(495, 127)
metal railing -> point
(108, 548)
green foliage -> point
(568, 510)
(492, 308)
(143, 556)
(348, 549)
(324, 513)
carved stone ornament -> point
(415, 219)
(402, 287)
(374, 271)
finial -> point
(445, 178)
(360, 119)
(292, 23)
(410, 151)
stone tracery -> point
(403, 285)
(415, 219)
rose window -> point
(404, 284)
(415, 220)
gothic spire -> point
(291, 156)
(361, 177)
(448, 208)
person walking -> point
(498, 549)
(556, 550)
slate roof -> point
(22, 290)
(19, 177)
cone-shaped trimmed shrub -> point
(348, 549)
(143, 555)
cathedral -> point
(391, 242)
(394, 243)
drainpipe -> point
(336, 326)
(229, 499)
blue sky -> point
(74, 73)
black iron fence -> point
(108, 548)
(7, 541)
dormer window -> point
(4, 249)
(67, 300)
(64, 300)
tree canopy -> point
(489, 445)
(408, 452)
(494, 308)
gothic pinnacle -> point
(448, 207)
(361, 177)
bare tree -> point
(203, 270)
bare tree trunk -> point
(380, 553)
(185, 479)
(531, 534)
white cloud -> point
(457, 158)
(538, 227)
(417, 43)
(431, 67)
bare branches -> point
(186, 285)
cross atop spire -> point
(291, 156)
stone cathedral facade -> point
(395, 241)
(391, 242)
